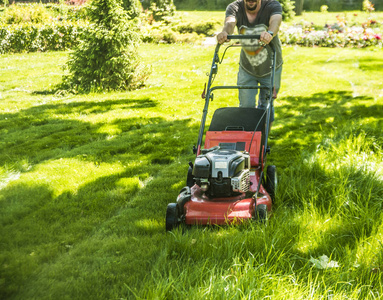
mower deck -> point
(205, 210)
(202, 210)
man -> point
(262, 17)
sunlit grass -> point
(85, 180)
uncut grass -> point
(85, 181)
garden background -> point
(85, 177)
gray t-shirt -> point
(254, 59)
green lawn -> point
(85, 180)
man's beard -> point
(252, 8)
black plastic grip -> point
(243, 36)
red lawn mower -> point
(229, 181)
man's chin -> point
(251, 8)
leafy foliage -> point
(176, 30)
(159, 9)
(34, 13)
(288, 9)
(162, 8)
(29, 37)
(106, 58)
(132, 7)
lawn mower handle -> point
(213, 71)
(243, 36)
(247, 37)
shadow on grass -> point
(48, 132)
(52, 225)
(98, 221)
(348, 194)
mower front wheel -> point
(172, 216)
(190, 178)
(271, 181)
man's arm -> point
(228, 28)
(274, 24)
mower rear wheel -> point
(172, 216)
(271, 181)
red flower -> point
(378, 36)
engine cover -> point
(222, 172)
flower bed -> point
(337, 35)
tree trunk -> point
(299, 7)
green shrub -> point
(29, 37)
(26, 13)
(288, 9)
(132, 7)
(166, 35)
(67, 12)
(159, 8)
(164, 7)
(106, 58)
(205, 28)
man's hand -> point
(228, 28)
(265, 38)
(222, 37)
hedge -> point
(28, 37)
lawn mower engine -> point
(222, 172)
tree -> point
(106, 58)
(299, 7)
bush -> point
(132, 7)
(159, 9)
(288, 9)
(205, 28)
(106, 58)
(162, 8)
(29, 37)
(67, 12)
(26, 13)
